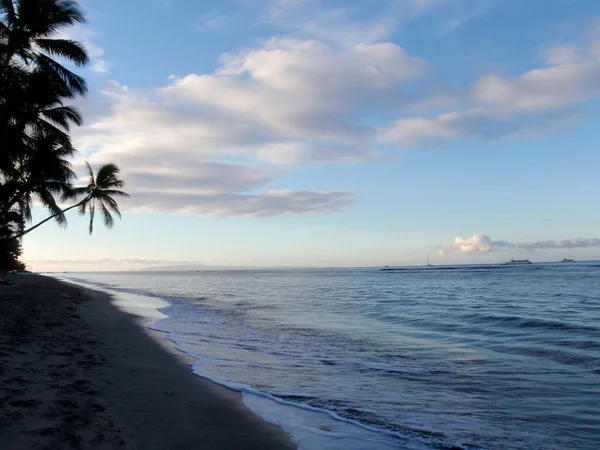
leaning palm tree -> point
(99, 193)
(28, 39)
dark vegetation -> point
(35, 120)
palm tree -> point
(26, 38)
(34, 146)
(33, 117)
(31, 96)
(10, 248)
(34, 122)
(100, 191)
(43, 173)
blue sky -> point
(338, 133)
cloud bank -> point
(480, 244)
(284, 104)
(503, 107)
(328, 88)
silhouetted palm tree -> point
(43, 173)
(26, 38)
(34, 121)
(34, 145)
(33, 117)
(100, 191)
(10, 248)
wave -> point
(292, 401)
(351, 416)
(134, 291)
(302, 403)
(528, 322)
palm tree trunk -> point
(23, 233)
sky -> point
(337, 133)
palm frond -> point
(107, 175)
(57, 187)
(75, 193)
(47, 17)
(47, 87)
(25, 207)
(47, 199)
(4, 36)
(92, 209)
(8, 7)
(63, 116)
(91, 173)
(83, 207)
(73, 82)
(66, 12)
(112, 204)
(47, 129)
(109, 222)
(115, 192)
(70, 50)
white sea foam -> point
(314, 428)
(144, 307)
(309, 427)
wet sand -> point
(78, 373)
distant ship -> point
(428, 265)
(514, 262)
(567, 260)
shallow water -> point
(474, 357)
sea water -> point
(496, 357)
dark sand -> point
(77, 373)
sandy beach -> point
(78, 373)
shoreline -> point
(309, 426)
(77, 372)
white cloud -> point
(540, 90)
(557, 244)
(335, 25)
(563, 54)
(499, 107)
(216, 143)
(288, 102)
(199, 178)
(476, 244)
(415, 129)
(267, 204)
(346, 26)
(211, 21)
(100, 66)
(479, 244)
(477, 10)
(302, 88)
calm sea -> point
(469, 357)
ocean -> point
(470, 357)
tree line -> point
(35, 121)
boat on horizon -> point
(567, 260)
(516, 262)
